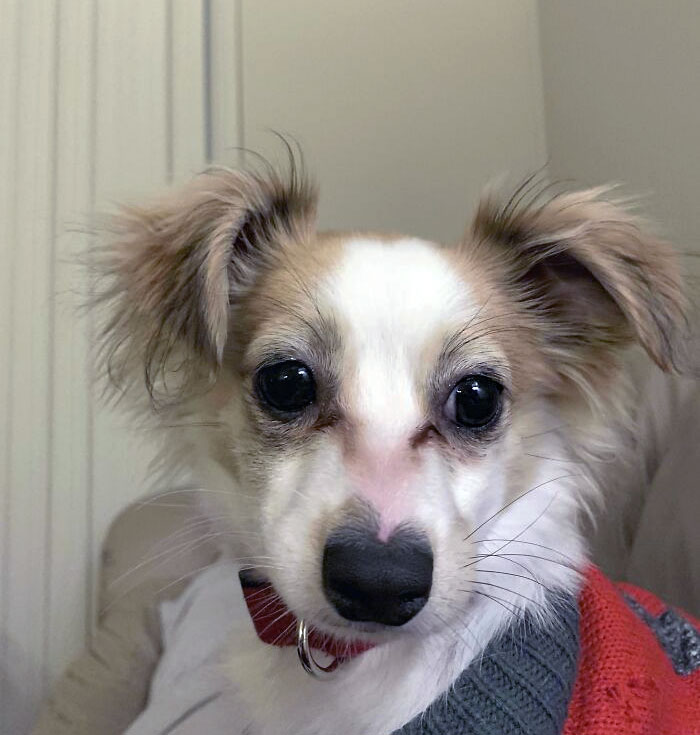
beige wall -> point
(405, 110)
(622, 101)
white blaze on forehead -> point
(391, 300)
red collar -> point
(276, 625)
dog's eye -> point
(474, 402)
(286, 386)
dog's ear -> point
(591, 273)
(172, 272)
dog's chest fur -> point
(378, 693)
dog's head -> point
(403, 428)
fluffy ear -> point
(168, 279)
(590, 272)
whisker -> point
(528, 543)
(463, 338)
(531, 556)
(548, 431)
(179, 491)
(479, 644)
(518, 564)
(513, 574)
(171, 553)
(252, 562)
(283, 634)
(117, 599)
(500, 601)
(196, 571)
(510, 591)
(195, 525)
(527, 528)
(183, 577)
(553, 459)
(275, 620)
(486, 333)
(194, 425)
(507, 505)
(454, 630)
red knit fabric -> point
(626, 684)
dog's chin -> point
(328, 622)
(427, 622)
(368, 631)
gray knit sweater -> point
(520, 686)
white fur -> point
(229, 274)
(390, 297)
(390, 301)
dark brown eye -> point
(475, 402)
(287, 387)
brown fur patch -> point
(590, 269)
(283, 300)
(173, 271)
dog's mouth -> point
(372, 585)
(276, 625)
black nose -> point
(369, 580)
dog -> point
(399, 439)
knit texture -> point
(520, 686)
(638, 673)
(627, 683)
(676, 635)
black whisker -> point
(510, 591)
(528, 543)
(531, 556)
(513, 574)
(457, 633)
(500, 601)
(515, 500)
(518, 564)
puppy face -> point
(393, 418)
(369, 414)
